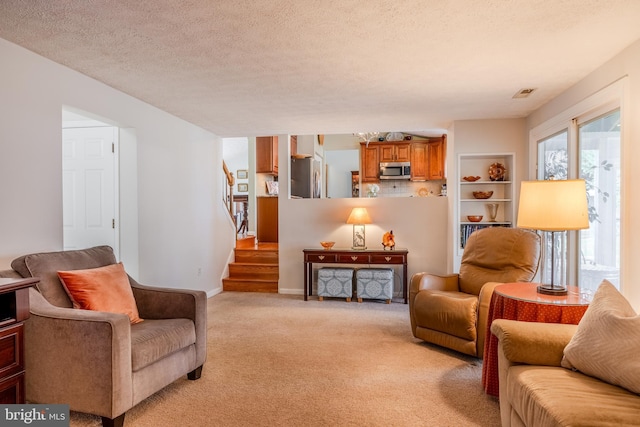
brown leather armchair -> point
(452, 310)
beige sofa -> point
(98, 362)
(536, 391)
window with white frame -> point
(587, 146)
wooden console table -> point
(14, 310)
(350, 256)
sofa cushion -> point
(546, 396)
(606, 344)
(155, 339)
(453, 313)
(46, 265)
(101, 289)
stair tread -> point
(255, 268)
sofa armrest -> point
(169, 303)
(11, 274)
(484, 303)
(532, 343)
(89, 352)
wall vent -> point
(523, 93)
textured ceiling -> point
(259, 67)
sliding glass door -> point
(589, 148)
(599, 150)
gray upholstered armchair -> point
(98, 362)
(452, 310)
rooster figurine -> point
(388, 241)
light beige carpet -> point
(276, 360)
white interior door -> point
(89, 187)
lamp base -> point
(552, 290)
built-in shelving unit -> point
(503, 193)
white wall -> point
(339, 164)
(626, 64)
(485, 136)
(183, 235)
(419, 224)
(236, 156)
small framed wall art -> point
(242, 174)
(243, 188)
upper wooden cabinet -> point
(395, 152)
(427, 157)
(419, 161)
(267, 154)
(369, 162)
(436, 155)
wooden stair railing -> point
(228, 194)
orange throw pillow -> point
(101, 289)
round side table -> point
(521, 301)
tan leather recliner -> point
(452, 310)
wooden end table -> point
(14, 310)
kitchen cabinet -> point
(472, 165)
(267, 219)
(419, 161)
(267, 154)
(395, 152)
(427, 157)
(369, 162)
(436, 153)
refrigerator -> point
(306, 178)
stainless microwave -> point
(395, 170)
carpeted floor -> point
(276, 360)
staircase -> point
(255, 268)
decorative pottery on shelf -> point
(474, 218)
(482, 194)
(497, 172)
(493, 211)
(470, 178)
(388, 240)
(327, 245)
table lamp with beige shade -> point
(359, 217)
(553, 206)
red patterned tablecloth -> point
(521, 301)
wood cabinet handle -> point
(388, 258)
(354, 258)
(320, 257)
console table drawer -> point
(354, 259)
(387, 259)
(328, 257)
